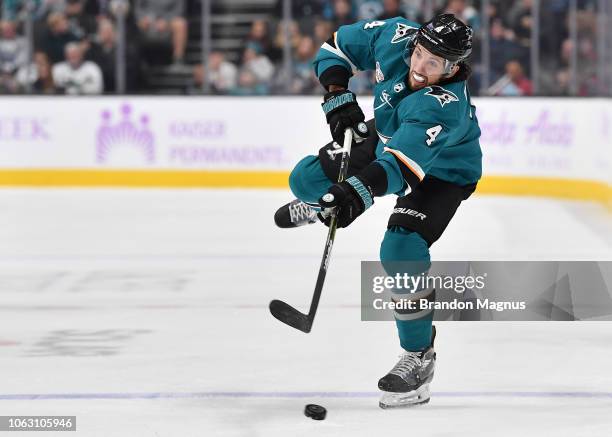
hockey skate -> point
(407, 384)
(295, 213)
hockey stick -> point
(285, 312)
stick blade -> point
(290, 316)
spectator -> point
(414, 10)
(257, 64)
(322, 32)
(58, 35)
(521, 22)
(466, 13)
(294, 36)
(553, 30)
(12, 9)
(13, 48)
(8, 84)
(38, 75)
(75, 76)
(493, 12)
(513, 83)
(103, 52)
(197, 80)
(515, 72)
(367, 9)
(586, 74)
(80, 23)
(391, 8)
(304, 81)
(342, 13)
(562, 72)
(248, 85)
(222, 75)
(260, 35)
(38, 10)
(160, 18)
(562, 85)
(502, 47)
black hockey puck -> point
(316, 412)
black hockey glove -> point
(351, 198)
(342, 111)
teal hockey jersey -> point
(433, 131)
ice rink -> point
(144, 313)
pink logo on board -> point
(124, 132)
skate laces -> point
(299, 211)
(407, 363)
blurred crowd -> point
(75, 42)
(261, 70)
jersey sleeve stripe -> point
(383, 138)
(336, 51)
(412, 166)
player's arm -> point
(350, 48)
(407, 158)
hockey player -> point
(421, 145)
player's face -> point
(425, 68)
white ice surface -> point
(144, 313)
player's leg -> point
(419, 220)
(308, 183)
(405, 251)
(313, 175)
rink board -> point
(539, 146)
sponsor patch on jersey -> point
(402, 33)
(442, 95)
(398, 87)
(379, 74)
(385, 97)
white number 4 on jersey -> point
(373, 24)
(432, 133)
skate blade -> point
(404, 400)
(406, 405)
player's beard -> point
(414, 85)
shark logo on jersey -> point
(379, 74)
(398, 87)
(443, 96)
(402, 33)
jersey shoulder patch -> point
(399, 30)
(442, 95)
(403, 31)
